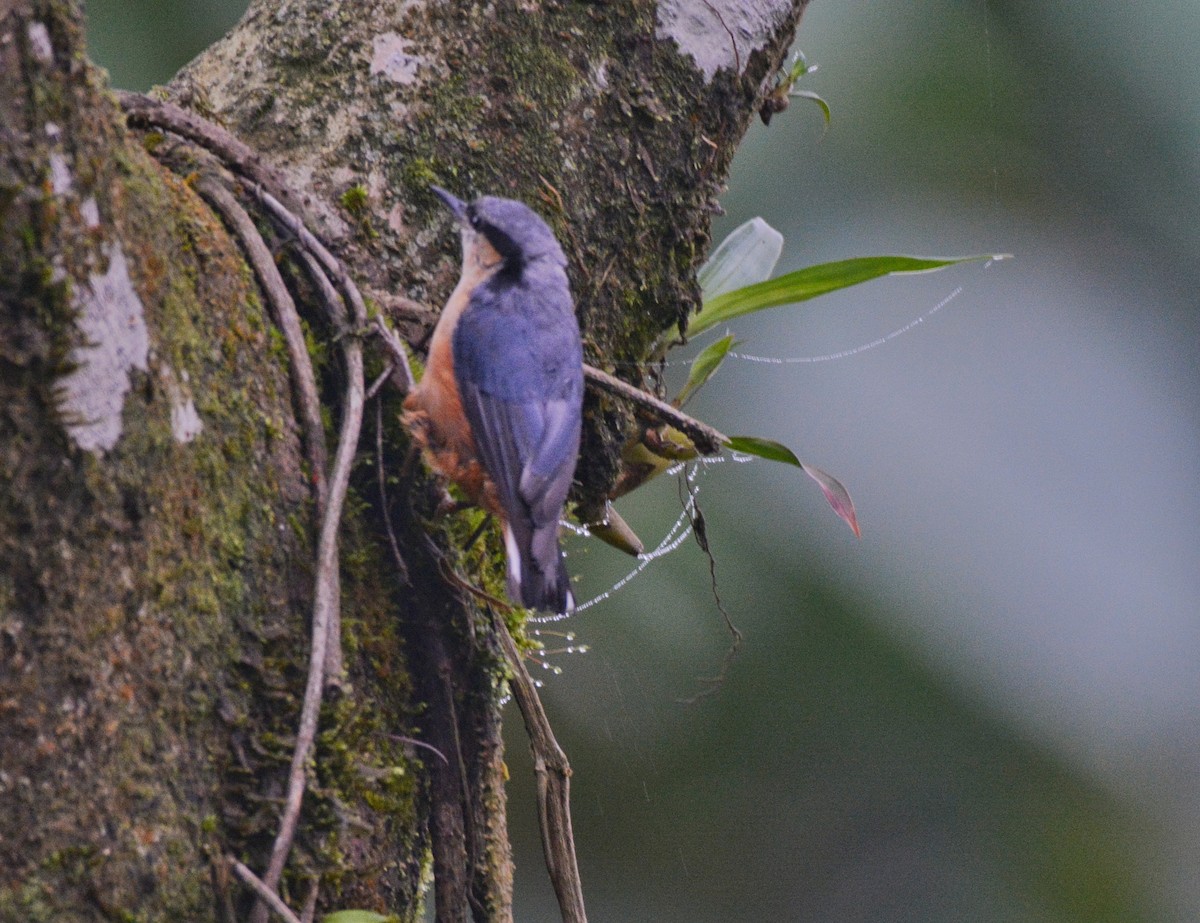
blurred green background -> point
(985, 710)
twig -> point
(326, 606)
(310, 903)
(412, 741)
(401, 306)
(288, 319)
(271, 188)
(264, 893)
(553, 776)
(335, 310)
(402, 375)
(448, 574)
(330, 263)
(708, 441)
(222, 887)
(326, 621)
(737, 58)
(336, 313)
(470, 836)
(700, 534)
(380, 381)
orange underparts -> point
(434, 414)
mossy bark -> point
(155, 560)
(589, 111)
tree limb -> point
(708, 441)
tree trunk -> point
(157, 519)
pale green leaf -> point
(811, 282)
(746, 256)
(824, 106)
(704, 366)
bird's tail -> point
(537, 571)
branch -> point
(708, 441)
(266, 894)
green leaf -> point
(746, 256)
(357, 916)
(837, 495)
(800, 67)
(811, 282)
(704, 367)
(764, 448)
(824, 106)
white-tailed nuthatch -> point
(499, 408)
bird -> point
(499, 409)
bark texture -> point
(600, 114)
(156, 518)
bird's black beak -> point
(456, 205)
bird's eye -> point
(476, 221)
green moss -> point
(417, 173)
(318, 349)
(354, 200)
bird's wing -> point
(518, 367)
(518, 364)
(518, 372)
(528, 448)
